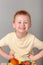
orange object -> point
(26, 63)
(14, 61)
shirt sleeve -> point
(4, 41)
(38, 44)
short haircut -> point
(22, 12)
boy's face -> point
(22, 23)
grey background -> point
(7, 10)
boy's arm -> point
(38, 44)
(5, 55)
(37, 56)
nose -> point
(23, 24)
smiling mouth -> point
(22, 28)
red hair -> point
(22, 12)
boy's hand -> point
(31, 57)
(10, 56)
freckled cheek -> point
(27, 26)
(18, 26)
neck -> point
(21, 35)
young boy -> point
(21, 41)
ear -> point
(13, 25)
(30, 25)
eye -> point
(25, 22)
(19, 22)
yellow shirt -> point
(21, 47)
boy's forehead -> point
(22, 16)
